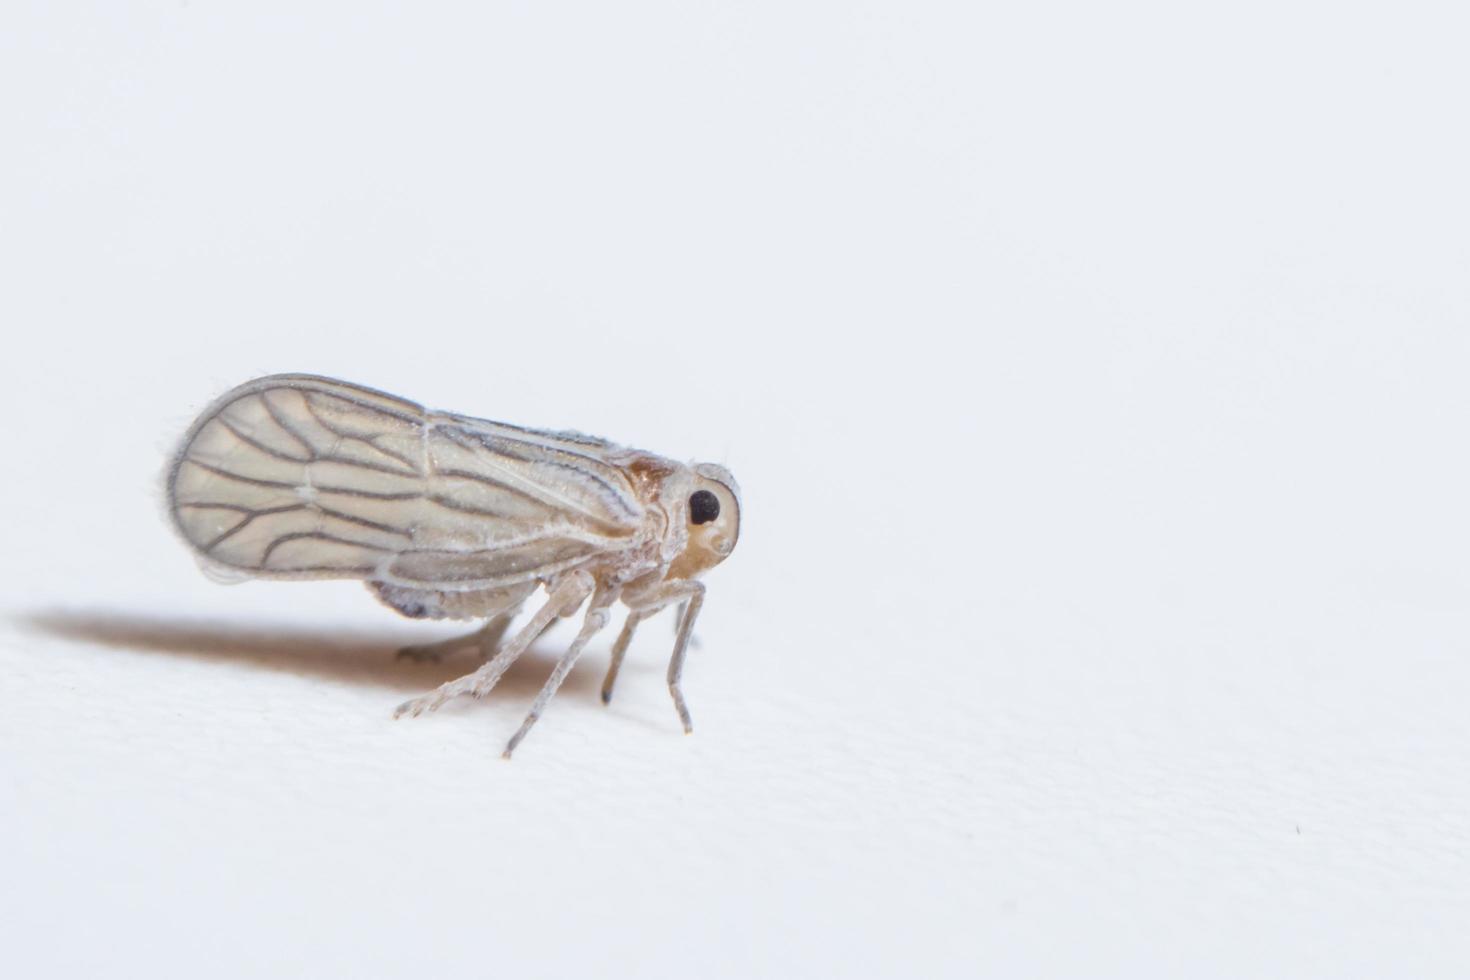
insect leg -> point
(679, 618)
(595, 620)
(690, 596)
(494, 631)
(619, 650)
(487, 638)
(547, 629)
(565, 598)
(681, 644)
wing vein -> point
(366, 406)
(283, 485)
(254, 443)
(545, 496)
(349, 437)
(317, 536)
(286, 427)
(249, 516)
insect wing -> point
(298, 477)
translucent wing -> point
(295, 476)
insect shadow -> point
(356, 656)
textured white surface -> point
(1095, 378)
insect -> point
(449, 517)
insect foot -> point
(414, 708)
(430, 701)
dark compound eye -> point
(703, 507)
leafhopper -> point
(444, 516)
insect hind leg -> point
(486, 639)
(564, 599)
(497, 606)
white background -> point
(1095, 374)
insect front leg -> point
(679, 618)
(681, 646)
(563, 601)
(691, 596)
(594, 621)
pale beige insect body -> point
(450, 517)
